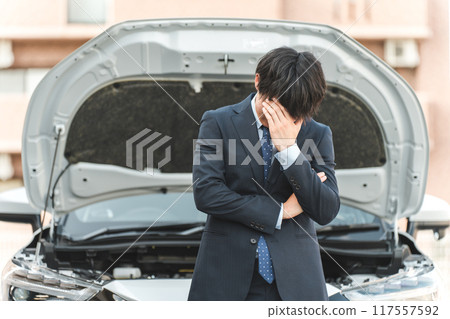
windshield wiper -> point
(172, 229)
(347, 228)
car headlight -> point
(411, 285)
(27, 281)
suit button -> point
(253, 241)
(297, 187)
(292, 178)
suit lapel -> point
(245, 126)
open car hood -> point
(103, 95)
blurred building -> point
(411, 35)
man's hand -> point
(291, 207)
(282, 126)
(322, 176)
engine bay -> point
(345, 263)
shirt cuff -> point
(288, 156)
(280, 218)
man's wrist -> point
(288, 156)
(280, 218)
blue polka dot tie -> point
(265, 262)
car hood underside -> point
(105, 93)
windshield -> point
(159, 209)
(351, 216)
(352, 224)
(134, 211)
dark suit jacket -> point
(239, 211)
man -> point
(263, 194)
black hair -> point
(294, 78)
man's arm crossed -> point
(319, 200)
(214, 197)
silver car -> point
(108, 150)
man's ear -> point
(256, 81)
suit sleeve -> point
(211, 194)
(320, 201)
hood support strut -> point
(59, 131)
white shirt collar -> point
(258, 122)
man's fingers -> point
(272, 112)
(291, 207)
(284, 111)
(322, 176)
(279, 112)
(268, 117)
(283, 114)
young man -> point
(263, 194)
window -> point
(12, 81)
(131, 212)
(21, 81)
(87, 11)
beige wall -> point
(400, 13)
(42, 53)
(41, 37)
(433, 81)
(262, 9)
(385, 18)
(25, 13)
